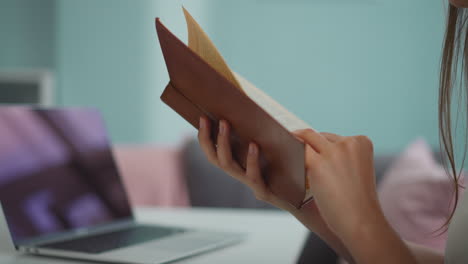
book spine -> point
(187, 109)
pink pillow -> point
(152, 175)
(416, 194)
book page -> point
(200, 43)
(290, 121)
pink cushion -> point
(416, 194)
(152, 175)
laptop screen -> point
(57, 172)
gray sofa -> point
(209, 186)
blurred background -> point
(344, 66)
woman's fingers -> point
(206, 143)
(331, 137)
(312, 158)
(312, 138)
(224, 152)
(221, 155)
(256, 182)
(253, 174)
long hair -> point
(453, 75)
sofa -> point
(181, 176)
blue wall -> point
(350, 67)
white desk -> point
(273, 236)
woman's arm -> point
(376, 242)
(422, 254)
(391, 249)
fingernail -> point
(252, 149)
(222, 128)
(202, 123)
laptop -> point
(62, 194)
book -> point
(202, 83)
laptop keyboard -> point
(99, 243)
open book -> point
(201, 83)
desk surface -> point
(272, 236)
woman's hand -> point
(341, 176)
(221, 156)
(345, 212)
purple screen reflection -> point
(57, 171)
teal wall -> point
(27, 33)
(350, 67)
(109, 57)
(105, 60)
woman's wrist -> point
(371, 240)
(366, 229)
(368, 219)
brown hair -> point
(455, 46)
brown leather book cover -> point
(197, 89)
